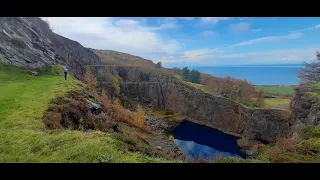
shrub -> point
(116, 85)
(119, 113)
(89, 79)
(52, 120)
(106, 103)
(286, 144)
(138, 118)
(311, 132)
(56, 70)
(98, 122)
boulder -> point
(34, 73)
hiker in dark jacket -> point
(65, 69)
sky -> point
(198, 41)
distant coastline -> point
(260, 75)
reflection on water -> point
(195, 140)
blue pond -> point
(195, 140)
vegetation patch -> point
(23, 101)
(276, 90)
(277, 103)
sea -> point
(274, 74)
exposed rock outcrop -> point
(305, 111)
(167, 93)
(29, 42)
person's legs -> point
(65, 75)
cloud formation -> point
(187, 18)
(122, 35)
(204, 57)
(213, 20)
(256, 30)
(208, 33)
(268, 39)
(239, 27)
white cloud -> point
(206, 57)
(208, 33)
(165, 26)
(122, 35)
(239, 27)
(317, 26)
(213, 20)
(257, 30)
(268, 39)
(187, 18)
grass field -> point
(23, 138)
(277, 103)
(197, 86)
(277, 90)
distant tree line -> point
(191, 76)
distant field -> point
(277, 90)
(277, 103)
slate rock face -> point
(213, 111)
(29, 42)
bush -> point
(52, 120)
(119, 113)
(138, 118)
(106, 103)
(116, 84)
(57, 70)
(89, 79)
(311, 132)
(286, 144)
(310, 146)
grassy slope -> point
(277, 90)
(23, 99)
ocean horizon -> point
(257, 74)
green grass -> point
(197, 86)
(277, 90)
(277, 103)
(23, 138)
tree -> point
(194, 76)
(260, 99)
(311, 73)
(138, 118)
(185, 74)
(159, 65)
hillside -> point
(118, 58)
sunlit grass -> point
(287, 90)
(23, 138)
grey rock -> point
(29, 42)
(93, 105)
(159, 147)
(213, 111)
(34, 73)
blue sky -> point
(200, 41)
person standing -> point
(65, 70)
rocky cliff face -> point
(304, 111)
(29, 42)
(162, 92)
(304, 108)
